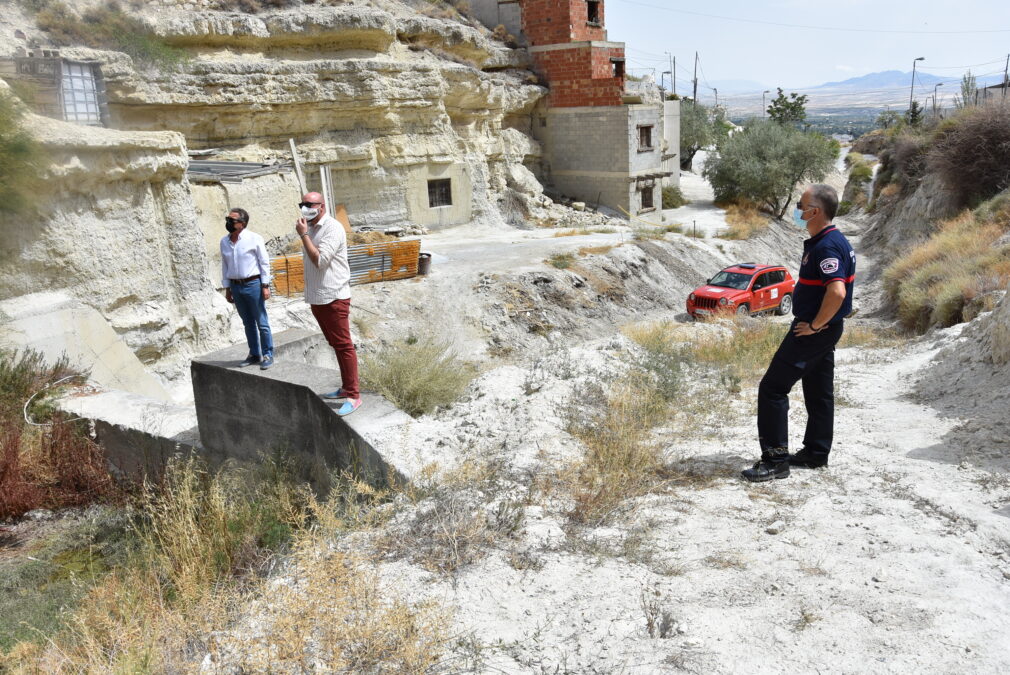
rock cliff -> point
(116, 230)
(386, 99)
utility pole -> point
(911, 90)
(1005, 69)
(764, 111)
(673, 70)
(938, 84)
(716, 96)
(694, 93)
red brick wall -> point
(581, 76)
(548, 22)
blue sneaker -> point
(350, 405)
(249, 360)
(333, 395)
(267, 361)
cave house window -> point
(440, 193)
(618, 67)
(645, 137)
(647, 202)
(594, 12)
(79, 94)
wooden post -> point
(298, 166)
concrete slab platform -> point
(245, 412)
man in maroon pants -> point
(328, 291)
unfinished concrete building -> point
(604, 143)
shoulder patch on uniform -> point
(829, 265)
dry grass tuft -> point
(561, 261)
(333, 616)
(418, 377)
(745, 220)
(744, 351)
(596, 250)
(583, 231)
(458, 517)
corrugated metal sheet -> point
(386, 261)
(214, 171)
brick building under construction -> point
(603, 142)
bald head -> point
(313, 200)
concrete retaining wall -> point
(245, 412)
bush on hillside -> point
(765, 162)
(972, 155)
(861, 174)
(673, 198)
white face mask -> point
(309, 214)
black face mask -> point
(229, 224)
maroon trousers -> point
(333, 320)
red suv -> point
(745, 288)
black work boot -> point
(808, 460)
(774, 463)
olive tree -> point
(697, 131)
(766, 161)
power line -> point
(831, 28)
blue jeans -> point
(252, 308)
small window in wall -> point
(79, 94)
(618, 67)
(440, 193)
(594, 12)
(543, 122)
(647, 202)
(645, 137)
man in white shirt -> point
(245, 274)
(328, 291)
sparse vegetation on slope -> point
(948, 278)
(106, 26)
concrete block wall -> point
(507, 13)
(644, 115)
(586, 151)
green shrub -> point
(844, 208)
(673, 198)
(420, 377)
(861, 174)
(854, 158)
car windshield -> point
(731, 280)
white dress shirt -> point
(245, 258)
(331, 279)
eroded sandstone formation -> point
(115, 229)
(388, 100)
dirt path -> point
(892, 560)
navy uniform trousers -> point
(812, 360)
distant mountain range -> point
(871, 92)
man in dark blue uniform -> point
(822, 300)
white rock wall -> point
(116, 230)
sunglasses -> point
(309, 204)
(231, 221)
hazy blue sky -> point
(794, 57)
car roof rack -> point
(748, 266)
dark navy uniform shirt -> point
(826, 258)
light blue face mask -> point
(798, 218)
